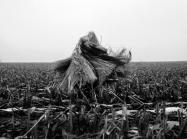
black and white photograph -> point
(93, 69)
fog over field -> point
(46, 30)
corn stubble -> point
(95, 95)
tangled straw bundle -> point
(89, 63)
(80, 72)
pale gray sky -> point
(48, 30)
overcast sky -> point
(48, 30)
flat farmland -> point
(31, 107)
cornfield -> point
(149, 103)
(93, 95)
